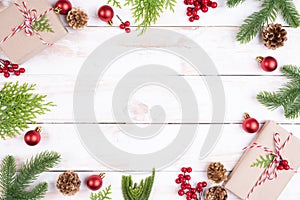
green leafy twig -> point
(14, 185)
(19, 106)
(263, 162)
(42, 25)
(134, 191)
(269, 10)
(102, 195)
(288, 96)
(114, 3)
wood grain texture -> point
(55, 71)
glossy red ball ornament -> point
(94, 182)
(250, 125)
(63, 7)
(268, 63)
(33, 137)
(106, 13)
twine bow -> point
(271, 172)
(30, 16)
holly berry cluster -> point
(185, 186)
(125, 25)
(284, 165)
(196, 5)
(7, 68)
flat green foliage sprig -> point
(287, 97)
(135, 191)
(42, 25)
(263, 161)
(146, 12)
(14, 185)
(19, 106)
(102, 195)
(268, 13)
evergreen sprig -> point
(114, 3)
(263, 162)
(147, 12)
(42, 25)
(287, 96)
(134, 191)
(14, 185)
(19, 106)
(268, 13)
(102, 195)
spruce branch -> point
(233, 3)
(42, 25)
(102, 195)
(255, 22)
(7, 175)
(19, 106)
(289, 12)
(263, 162)
(134, 191)
(287, 96)
(114, 3)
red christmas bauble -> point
(33, 137)
(268, 63)
(250, 125)
(63, 7)
(106, 13)
(94, 182)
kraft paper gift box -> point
(20, 47)
(244, 177)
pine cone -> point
(274, 36)
(216, 172)
(77, 18)
(216, 193)
(68, 183)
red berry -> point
(199, 185)
(10, 69)
(180, 192)
(284, 162)
(199, 189)
(286, 167)
(182, 179)
(189, 169)
(6, 75)
(17, 73)
(182, 186)
(188, 198)
(195, 13)
(188, 193)
(196, 3)
(204, 2)
(5, 70)
(189, 9)
(22, 70)
(185, 2)
(15, 66)
(122, 26)
(127, 23)
(193, 190)
(187, 177)
(209, 3)
(177, 181)
(6, 62)
(197, 17)
(214, 4)
(194, 196)
(204, 184)
(189, 13)
(204, 9)
(191, 2)
(188, 186)
(1, 70)
(127, 30)
(280, 167)
(180, 175)
(197, 7)
(183, 170)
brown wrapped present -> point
(258, 175)
(27, 28)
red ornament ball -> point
(63, 7)
(94, 182)
(268, 63)
(33, 137)
(105, 13)
(250, 125)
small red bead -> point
(284, 162)
(6, 75)
(189, 169)
(286, 167)
(22, 70)
(204, 184)
(5, 70)
(17, 73)
(183, 169)
(197, 17)
(127, 23)
(177, 181)
(189, 9)
(188, 193)
(193, 190)
(195, 12)
(180, 192)
(214, 4)
(199, 185)
(197, 7)
(280, 167)
(180, 175)
(6, 62)
(194, 196)
(185, 2)
(188, 198)
(199, 189)
(10, 69)
(1, 70)
(204, 2)
(15, 66)
(187, 177)
(189, 13)
(127, 30)
(204, 9)
(196, 3)
(182, 186)
(182, 179)
(188, 186)
(122, 26)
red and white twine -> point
(271, 172)
(30, 16)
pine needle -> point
(289, 12)
(233, 3)
(114, 3)
(42, 25)
(102, 195)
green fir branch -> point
(289, 12)
(134, 191)
(115, 3)
(287, 96)
(19, 106)
(102, 195)
(233, 3)
(255, 22)
(15, 185)
(263, 162)
(42, 25)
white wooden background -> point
(55, 70)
